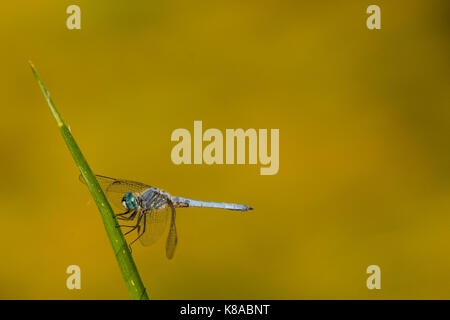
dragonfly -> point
(152, 208)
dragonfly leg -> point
(131, 230)
(129, 246)
(137, 224)
(131, 217)
(143, 231)
(121, 218)
(124, 218)
(122, 214)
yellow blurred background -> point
(364, 158)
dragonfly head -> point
(129, 201)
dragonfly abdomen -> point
(180, 202)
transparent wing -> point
(172, 238)
(155, 225)
(116, 188)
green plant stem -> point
(121, 250)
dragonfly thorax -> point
(129, 201)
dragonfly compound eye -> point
(129, 201)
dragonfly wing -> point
(155, 225)
(115, 189)
(172, 238)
